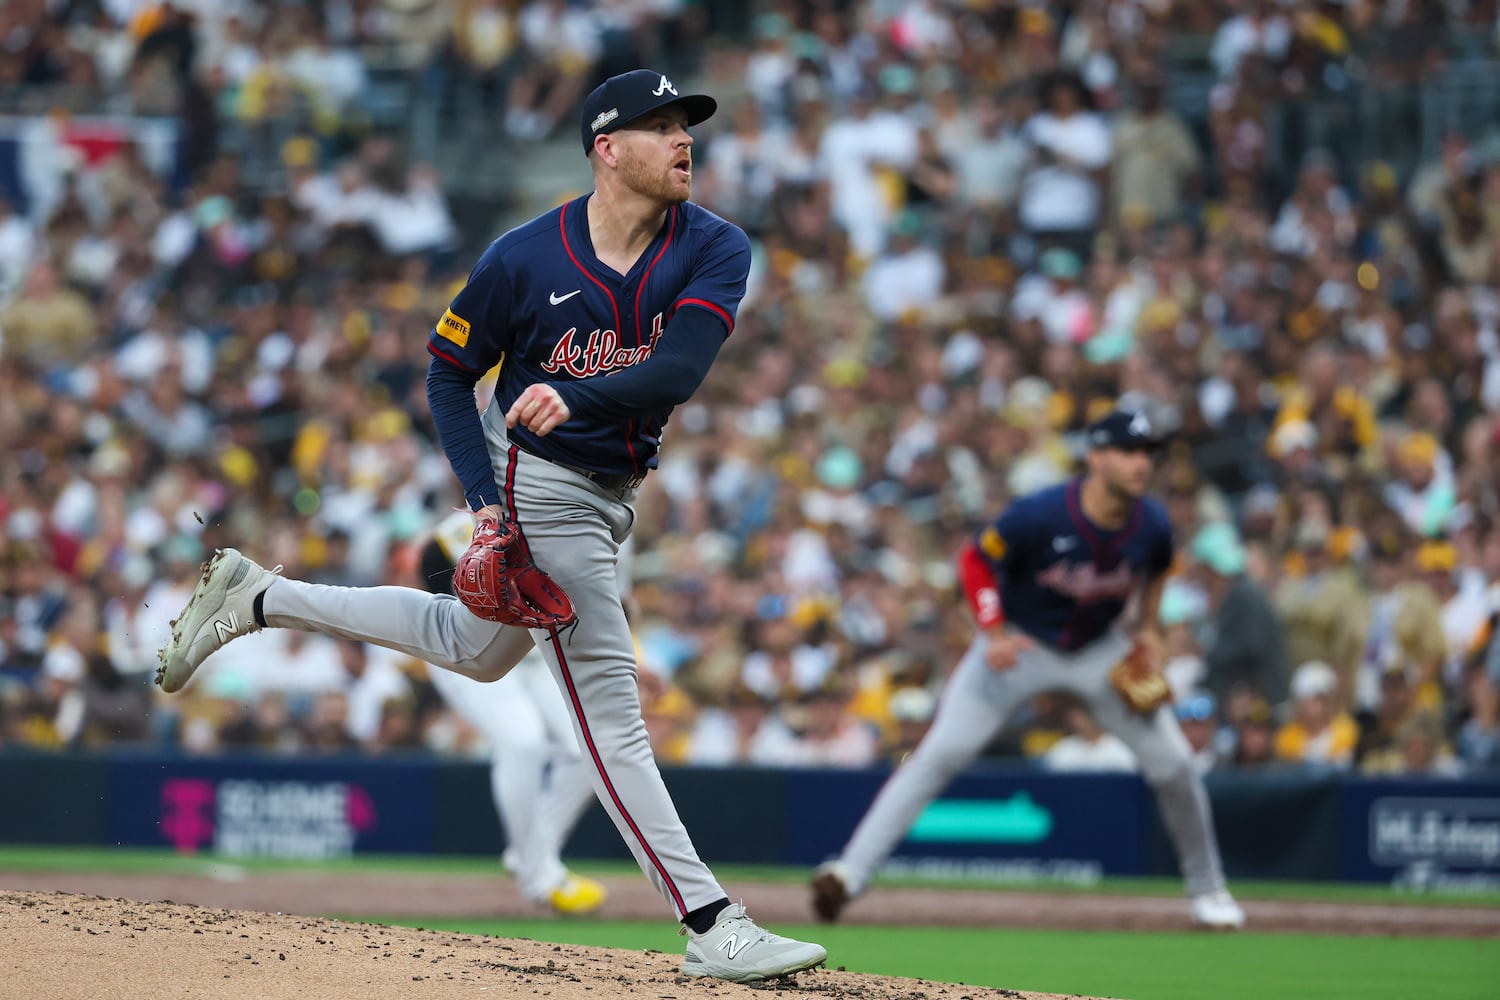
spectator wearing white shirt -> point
(992, 165)
(1257, 32)
(833, 737)
(16, 241)
(1063, 192)
(1055, 298)
(374, 680)
(909, 276)
(856, 152)
(1087, 747)
(562, 45)
(742, 168)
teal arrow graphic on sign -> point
(1017, 820)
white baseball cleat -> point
(1218, 911)
(738, 950)
(221, 609)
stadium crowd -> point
(977, 224)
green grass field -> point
(1177, 966)
(1137, 965)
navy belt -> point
(603, 480)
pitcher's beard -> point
(651, 184)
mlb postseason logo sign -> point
(1463, 833)
(1444, 836)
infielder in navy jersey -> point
(1049, 582)
(607, 312)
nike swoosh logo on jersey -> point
(558, 300)
(1064, 544)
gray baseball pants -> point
(975, 705)
(573, 529)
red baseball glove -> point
(1139, 679)
(496, 580)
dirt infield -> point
(416, 896)
(69, 947)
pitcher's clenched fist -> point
(538, 409)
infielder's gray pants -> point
(976, 704)
(574, 530)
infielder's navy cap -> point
(1124, 430)
(622, 99)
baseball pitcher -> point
(609, 311)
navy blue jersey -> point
(1063, 580)
(540, 299)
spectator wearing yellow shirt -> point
(1317, 735)
(1343, 419)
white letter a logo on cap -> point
(665, 87)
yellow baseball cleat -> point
(578, 895)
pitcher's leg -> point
(436, 628)
(594, 666)
(596, 672)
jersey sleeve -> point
(717, 282)
(997, 543)
(474, 331)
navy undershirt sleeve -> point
(450, 397)
(668, 378)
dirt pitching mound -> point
(71, 947)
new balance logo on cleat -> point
(732, 946)
(227, 628)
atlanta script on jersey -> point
(542, 299)
(1063, 580)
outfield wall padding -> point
(994, 822)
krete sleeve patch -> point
(453, 328)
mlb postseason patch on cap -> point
(604, 118)
(622, 99)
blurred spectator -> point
(1419, 751)
(907, 276)
(1156, 162)
(1087, 747)
(1245, 645)
(974, 228)
(746, 731)
(1479, 737)
(1379, 725)
(48, 325)
(375, 680)
(1062, 195)
(560, 44)
(830, 735)
(1318, 735)
(1198, 717)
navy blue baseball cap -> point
(1123, 430)
(622, 99)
